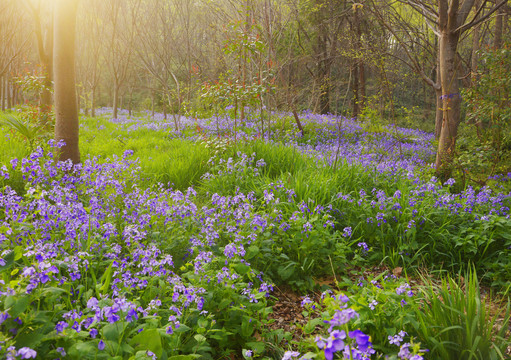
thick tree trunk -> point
(66, 123)
(451, 103)
(439, 114)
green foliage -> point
(32, 133)
(485, 148)
(455, 322)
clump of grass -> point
(455, 324)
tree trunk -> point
(324, 97)
(439, 114)
(78, 99)
(355, 87)
(361, 91)
(93, 103)
(497, 40)
(116, 101)
(45, 101)
(2, 92)
(361, 86)
(8, 94)
(66, 123)
(451, 103)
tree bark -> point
(8, 93)
(2, 92)
(451, 104)
(361, 92)
(497, 40)
(93, 103)
(439, 114)
(66, 123)
(116, 102)
(45, 44)
(355, 87)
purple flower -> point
(26, 353)
(397, 339)
(290, 354)
(61, 325)
(373, 304)
(450, 182)
(248, 353)
(4, 316)
(76, 326)
(306, 300)
(347, 231)
(364, 247)
(342, 317)
(101, 345)
(334, 343)
(362, 340)
(131, 315)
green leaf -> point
(182, 328)
(251, 252)
(258, 347)
(247, 328)
(311, 325)
(9, 260)
(148, 339)
(112, 331)
(83, 350)
(242, 269)
(107, 278)
(286, 272)
(200, 338)
(184, 357)
(16, 305)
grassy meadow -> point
(176, 238)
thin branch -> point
(474, 22)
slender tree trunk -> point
(451, 103)
(93, 103)
(497, 40)
(324, 97)
(361, 91)
(66, 123)
(362, 86)
(475, 49)
(2, 92)
(355, 88)
(47, 65)
(8, 94)
(78, 99)
(152, 104)
(324, 71)
(116, 101)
